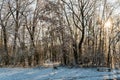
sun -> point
(108, 24)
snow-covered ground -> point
(61, 73)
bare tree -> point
(4, 18)
(82, 10)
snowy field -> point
(59, 74)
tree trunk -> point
(6, 57)
(75, 53)
(80, 45)
(109, 57)
(16, 30)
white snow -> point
(61, 73)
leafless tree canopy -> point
(70, 32)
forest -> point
(83, 33)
